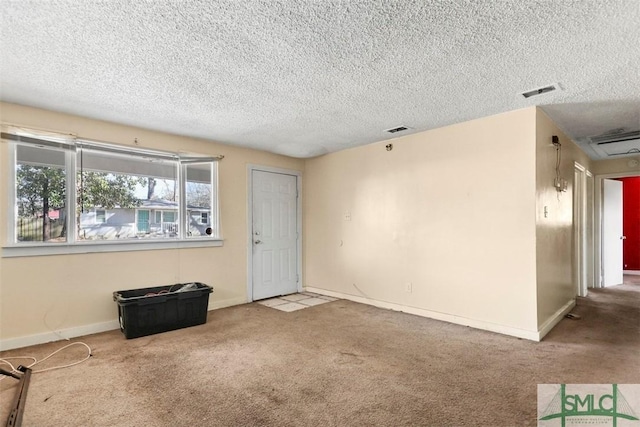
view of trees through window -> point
(109, 205)
(100, 194)
(41, 193)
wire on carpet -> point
(5, 360)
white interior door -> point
(274, 205)
(612, 232)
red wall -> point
(631, 222)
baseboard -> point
(458, 320)
(214, 305)
(555, 319)
(631, 272)
(11, 343)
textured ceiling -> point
(303, 78)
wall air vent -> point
(398, 129)
(539, 91)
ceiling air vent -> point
(617, 143)
(539, 91)
(617, 137)
(398, 129)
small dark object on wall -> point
(389, 147)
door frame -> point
(249, 240)
(598, 219)
(581, 260)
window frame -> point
(214, 206)
(71, 146)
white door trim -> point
(579, 230)
(598, 219)
(590, 229)
(249, 240)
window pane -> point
(168, 216)
(199, 196)
(129, 187)
(101, 215)
(40, 195)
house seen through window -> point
(101, 216)
(89, 192)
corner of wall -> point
(555, 285)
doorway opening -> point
(583, 229)
(616, 256)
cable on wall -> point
(559, 183)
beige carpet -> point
(335, 364)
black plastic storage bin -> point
(149, 311)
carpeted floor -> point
(335, 364)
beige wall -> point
(38, 294)
(554, 241)
(450, 210)
(603, 167)
(457, 212)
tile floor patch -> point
(295, 302)
(312, 301)
(272, 302)
(310, 294)
(293, 297)
(290, 306)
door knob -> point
(257, 242)
(623, 237)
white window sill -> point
(26, 249)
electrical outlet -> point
(347, 216)
(408, 287)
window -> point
(200, 197)
(101, 216)
(63, 190)
(40, 195)
(168, 216)
(127, 183)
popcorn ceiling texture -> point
(304, 78)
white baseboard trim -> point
(631, 272)
(555, 318)
(214, 305)
(458, 320)
(45, 337)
